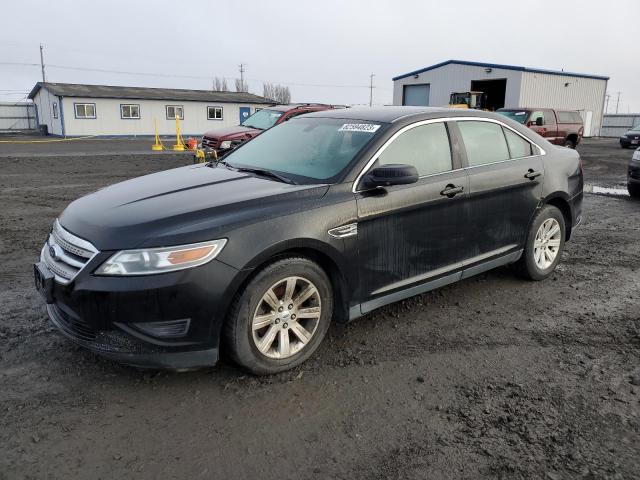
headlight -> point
(623, 136)
(150, 261)
(226, 144)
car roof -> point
(286, 108)
(391, 114)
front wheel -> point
(281, 317)
(569, 143)
(544, 244)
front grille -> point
(634, 172)
(208, 142)
(65, 254)
(73, 326)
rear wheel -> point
(569, 143)
(634, 189)
(544, 244)
(281, 317)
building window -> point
(85, 110)
(174, 111)
(130, 111)
(55, 109)
(214, 113)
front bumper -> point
(629, 142)
(109, 315)
(633, 172)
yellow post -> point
(179, 146)
(158, 144)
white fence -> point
(615, 124)
(17, 116)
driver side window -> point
(426, 147)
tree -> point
(220, 85)
(277, 93)
(241, 85)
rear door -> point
(412, 234)
(505, 187)
(553, 134)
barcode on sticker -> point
(359, 127)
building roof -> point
(144, 93)
(504, 67)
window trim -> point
(373, 159)
(122, 117)
(221, 113)
(166, 111)
(75, 111)
(54, 107)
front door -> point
(505, 187)
(244, 114)
(411, 234)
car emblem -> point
(53, 252)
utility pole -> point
(42, 63)
(242, 75)
(371, 89)
(618, 102)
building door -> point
(587, 118)
(244, 114)
(416, 95)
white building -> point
(70, 110)
(507, 86)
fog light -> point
(166, 329)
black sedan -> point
(631, 138)
(323, 218)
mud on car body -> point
(323, 218)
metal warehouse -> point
(507, 86)
(77, 110)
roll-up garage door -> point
(416, 95)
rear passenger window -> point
(569, 117)
(426, 147)
(549, 118)
(484, 142)
(518, 146)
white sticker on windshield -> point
(521, 113)
(359, 127)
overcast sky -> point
(324, 50)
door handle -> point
(451, 190)
(532, 175)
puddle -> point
(619, 192)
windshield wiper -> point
(266, 173)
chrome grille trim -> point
(344, 231)
(72, 254)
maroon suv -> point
(224, 139)
(560, 127)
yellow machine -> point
(475, 100)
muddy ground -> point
(492, 377)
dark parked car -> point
(326, 217)
(560, 127)
(631, 138)
(224, 139)
(633, 175)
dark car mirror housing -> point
(539, 121)
(391, 174)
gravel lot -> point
(492, 377)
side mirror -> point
(392, 174)
(539, 121)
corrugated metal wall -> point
(615, 124)
(566, 92)
(457, 78)
(17, 116)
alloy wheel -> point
(286, 317)
(547, 243)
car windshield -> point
(636, 128)
(519, 116)
(263, 119)
(307, 150)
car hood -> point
(180, 206)
(232, 133)
(632, 133)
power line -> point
(196, 77)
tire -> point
(569, 143)
(277, 343)
(528, 266)
(634, 190)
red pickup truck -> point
(560, 127)
(224, 139)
